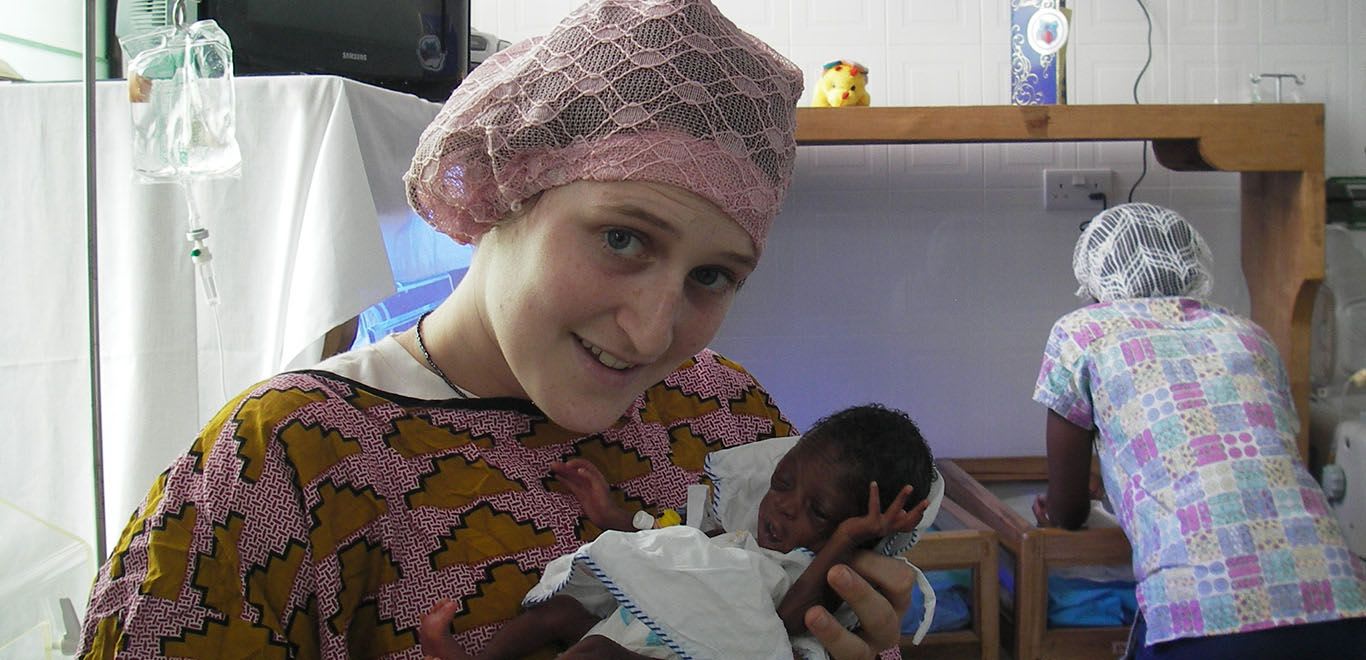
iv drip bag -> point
(181, 95)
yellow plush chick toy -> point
(844, 83)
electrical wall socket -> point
(1071, 189)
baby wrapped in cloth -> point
(677, 593)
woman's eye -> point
(622, 241)
(713, 278)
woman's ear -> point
(522, 209)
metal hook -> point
(179, 13)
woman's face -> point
(603, 289)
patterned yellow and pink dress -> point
(317, 516)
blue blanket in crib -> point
(953, 604)
(1081, 603)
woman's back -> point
(1196, 436)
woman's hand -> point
(1041, 510)
(1097, 491)
(587, 484)
(878, 589)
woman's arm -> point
(1069, 475)
(219, 496)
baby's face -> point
(807, 499)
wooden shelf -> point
(1277, 148)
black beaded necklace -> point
(422, 346)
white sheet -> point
(700, 597)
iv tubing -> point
(218, 334)
(202, 258)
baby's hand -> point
(435, 633)
(878, 524)
(587, 484)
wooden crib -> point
(962, 541)
(1025, 630)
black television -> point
(416, 46)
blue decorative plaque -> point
(1038, 35)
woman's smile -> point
(605, 358)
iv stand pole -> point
(92, 278)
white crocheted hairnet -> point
(1141, 251)
(664, 91)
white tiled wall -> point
(44, 41)
(927, 277)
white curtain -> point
(297, 249)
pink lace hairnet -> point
(1141, 251)
(665, 91)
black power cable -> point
(1142, 71)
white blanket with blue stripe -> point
(677, 593)
(687, 595)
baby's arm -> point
(561, 619)
(810, 588)
(434, 633)
(589, 486)
(597, 647)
